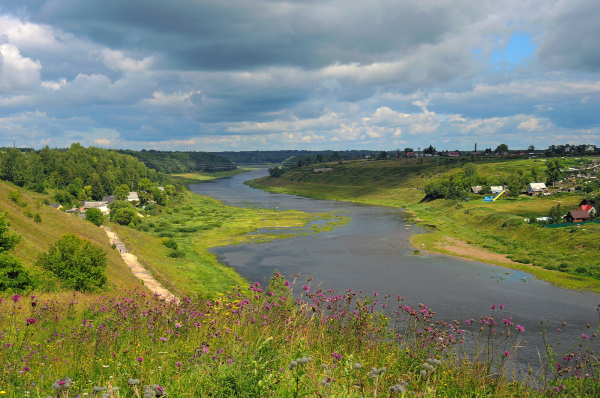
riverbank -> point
(493, 233)
(173, 242)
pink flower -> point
(305, 288)
(520, 329)
(178, 364)
(585, 336)
(140, 359)
(493, 307)
(30, 321)
(178, 325)
(502, 306)
(16, 298)
(506, 353)
(287, 284)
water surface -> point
(372, 253)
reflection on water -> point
(372, 253)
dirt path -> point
(138, 270)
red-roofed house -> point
(589, 208)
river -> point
(372, 253)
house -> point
(322, 170)
(536, 187)
(497, 190)
(587, 202)
(57, 206)
(108, 199)
(454, 153)
(132, 197)
(476, 189)
(588, 208)
(578, 216)
(102, 206)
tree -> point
(531, 148)
(553, 171)
(430, 151)
(121, 192)
(97, 191)
(335, 155)
(319, 158)
(383, 155)
(502, 148)
(144, 189)
(276, 172)
(94, 215)
(12, 273)
(514, 187)
(470, 170)
(555, 216)
(534, 174)
(78, 263)
(160, 197)
(126, 216)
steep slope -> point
(37, 237)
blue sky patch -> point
(518, 49)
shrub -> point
(12, 273)
(114, 246)
(126, 216)
(143, 227)
(177, 254)
(170, 243)
(37, 218)
(187, 230)
(151, 225)
(94, 216)
(581, 270)
(15, 196)
(78, 263)
(563, 267)
(166, 234)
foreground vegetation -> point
(251, 342)
(493, 232)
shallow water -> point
(372, 253)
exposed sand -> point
(138, 270)
(462, 248)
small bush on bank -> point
(170, 243)
(94, 216)
(177, 254)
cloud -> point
(17, 73)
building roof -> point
(88, 205)
(586, 208)
(498, 188)
(132, 196)
(476, 189)
(579, 214)
(108, 199)
(587, 202)
(453, 153)
(55, 205)
(537, 185)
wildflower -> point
(140, 359)
(287, 284)
(16, 298)
(133, 382)
(493, 307)
(357, 366)
(178, 364)
(397, 388)
(423, 373)
(585, 336)
(62, 384)
(159, 391)
(305, 288)
(178, 325)
(26, 369)
(502, 306)
(520, 329)
(30, 321)
(506, 353)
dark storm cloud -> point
(228, 35)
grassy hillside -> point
(37, 237)
(491, 232)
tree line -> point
(76, 173)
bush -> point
(78, 263)
(563, 267)
(170, 243)
(94, 216)
(126, 216)
(187, 230)
(12, 273)
(37, 218)
(151, 225)
(581, 270)
(166, 234)
(114, 246)
(143, 227)
(15, 196)
(177, 254)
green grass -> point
(494, 227)
(37, 237)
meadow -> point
(287, 339)
(495, 232)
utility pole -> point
(14, 142)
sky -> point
(313, 74)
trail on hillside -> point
(138, 270)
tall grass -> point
(252, 342)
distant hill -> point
(276, 157)
(37, 237)
(181, 162)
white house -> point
(132, 196)
(102, 206)
(497, 190)
(536, 187)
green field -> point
(566, 256)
